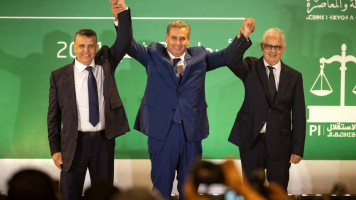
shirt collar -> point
(81, 67)
(276, 66)
(172, 56)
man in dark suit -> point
(173, 111)
(85, 111)
(270, 126)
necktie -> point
(176, 70)
(175, 61)
(177, 118)
(271, 85)
(93, 98)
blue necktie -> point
(177, 118)
(271, 85)
(93, 98)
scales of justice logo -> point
(322, 87)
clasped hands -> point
(117, 7)
(248, 27)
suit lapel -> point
(167, 70)
(102, 59)
(283, 82)
(69, 85)
(261, 72)
(187, 58)
(106, 70)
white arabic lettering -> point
(330, 4)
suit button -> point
(178, 93)
(269, 110)
(173, 110)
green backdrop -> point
(36, 38)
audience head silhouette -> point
(31, 184)
(139, 193)
(100, 190)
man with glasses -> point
(270, 126)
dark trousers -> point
(173, 154)
(93, 152)
(258, 158)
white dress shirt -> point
(82, 99)
(276, 73)
(181, 58)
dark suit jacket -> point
(163, 92)
(62, 119)
(285, 117)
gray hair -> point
(274, 31)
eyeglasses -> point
(269, 47)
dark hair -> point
(139, 193)
(85, 32)
(100, 190)
(31, 184)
